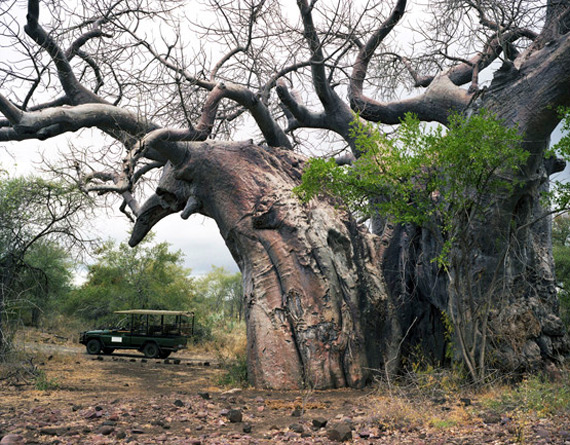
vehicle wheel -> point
(108, 350)
(151, 350)
(164, 354)
(93, 346)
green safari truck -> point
(155, 333)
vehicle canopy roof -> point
(155, 312)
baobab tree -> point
(327, 300)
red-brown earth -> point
(124, 398)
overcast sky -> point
(198, 237)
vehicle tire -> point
(108, 351)
(93, 346)
(151, 350)
(164, 354)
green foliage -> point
(43, 383)
(443, 180)
(561, 253)
(236, 373)
(422, 173)
(144, 277)
(559, 193)
(46, 279)
(219, 297)
(40, 225)
(534, 394)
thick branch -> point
(326, 95)
(365, 54)
(73, 89)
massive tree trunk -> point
(316, 310)
(326, 301)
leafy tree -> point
(428, 177)
(221, 293)
(147, 277)
(38, 218)
(561, 252)
(43, 284)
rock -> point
(297, 428)
(247, 428)
(491, 418)
(465, 401)
(297, 412)
(179, 403)
(121, 435)
(364, 434)
(12, 439)
(319, 422)
(234, 415)
(231, 391)
(204, 395)
(105, 430)
(176, 361)
(339, 432)
(53, 431)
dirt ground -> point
(125, 398)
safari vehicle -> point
(154, 333)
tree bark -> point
(317, 312)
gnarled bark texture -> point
(316, 307)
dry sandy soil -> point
(125, 398)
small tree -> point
(561, 252)
(222, 293)
(146, 277)
(33, 212)
(43, 283)
(443, 180)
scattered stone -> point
(204, 395)
(75, 408)
(297, 412)
(93, 414)
(121, 434)
(247, 428)
(144, 360)
(12, 439)
(339, 432)
(176, 361)
(364, 434)
(543, 433)
(105, 430)
(137, 431)
(491, 418)
(53, 431)
(234, 415)
(167, 362)
(319, 422)
(231, 391)
(131, 360)
(297, 428)
(465, 401)
(206, 364)
(99, 358)
(179, 403)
